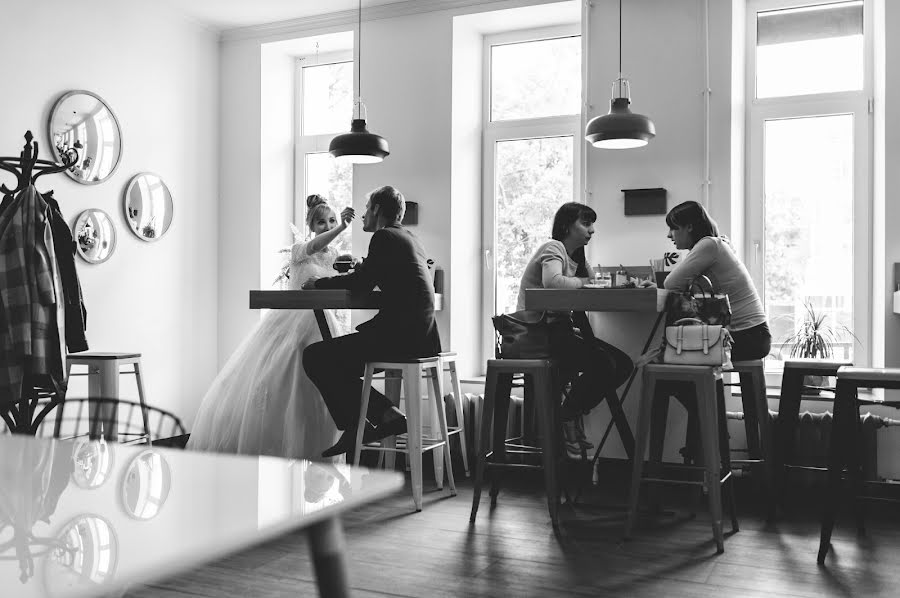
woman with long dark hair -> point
(691, 227)
(595, 367)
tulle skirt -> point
(262, 402)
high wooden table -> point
(319, 300)
(90, 518)
(602, 300)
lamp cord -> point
(620, 39)
(359, 62)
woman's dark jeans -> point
(594, 367)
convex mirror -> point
(95, 236)
(148, 206)
(83, 116)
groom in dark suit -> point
(404, 326)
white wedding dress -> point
(262, 402)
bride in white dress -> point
(262, 402)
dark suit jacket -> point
(396, 264)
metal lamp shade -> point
(359, 146)
(620, 128)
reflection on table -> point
(86, 518)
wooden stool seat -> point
(411, 372)
(874, 376)
(103, 371)
(100, 355)
(652, 417)
(844, 449)
(540, 383)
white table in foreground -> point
(90, 518)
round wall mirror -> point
(148, 206)
(84, 557)
(93, 461)
(84, 116)
(95, 236)
(146, 485)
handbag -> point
(707, 305)
(522, 336)
(692, 342)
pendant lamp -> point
(359, 146)
(620, 128)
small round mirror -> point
(93, 462)
(95, 236)
(82, 116)
(146, 485)
(148, 206)
(83, 558)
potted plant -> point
(815, 339)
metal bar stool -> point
(713, 437)
(760, 439)
(540, 374)
(844, 449)
(103, 371)
(412, 371)
(448, 364)
(788, 422)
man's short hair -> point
(390, 202)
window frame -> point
(512, 130)
(856, 103)
(311, 144)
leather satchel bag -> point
(698, 302)
(692, 342)
(522, 336)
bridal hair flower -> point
(284, 272)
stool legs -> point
(640, 447)
(548, 425)
(484, 441)
(364, 408)
(786, 427)
(842, 451)
(437, 388)
(140, 389)
(707, 413)
(759, 430)
(458, 404)
(413, 385)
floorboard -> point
(513, 551)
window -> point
(809, 192)
(532, 145)
(326, 108)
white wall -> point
(159, 74)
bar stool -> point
(789, 410)
(713, 437)
(844, 449)
(760, 441)
(103, 371)
(543, 390)
(411, 371)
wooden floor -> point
(513, 551)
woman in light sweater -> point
(595, 368)
(691, 227)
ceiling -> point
(231, 14)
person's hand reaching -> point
(347, 216)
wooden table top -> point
(636, 300)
